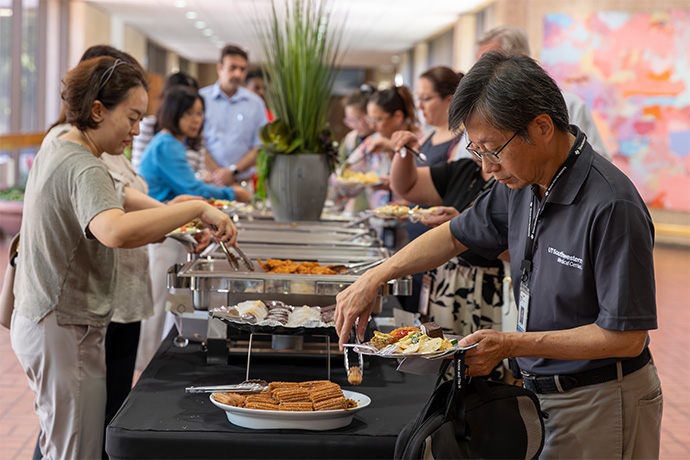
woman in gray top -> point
(73, 220)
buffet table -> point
(159, 420)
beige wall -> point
(135, 43)
(88, 26)
(207, 74)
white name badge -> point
(523, 307)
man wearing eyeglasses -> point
(580, 239)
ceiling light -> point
(208, 32)
(191, 15)
(180, 3)
(220, 44)
(200, 25)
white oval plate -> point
(274, 419)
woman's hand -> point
(203, 239)
(220, 224)
(400, 139)
(183, 198)
(381, 144)
(443, 214)
(242, 194)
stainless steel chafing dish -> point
(213, 273)
(318, 236)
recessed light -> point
(220, 45)
(200, 25)
(180, 3)
(208, 32)
(191, 15)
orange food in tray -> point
(303, 268)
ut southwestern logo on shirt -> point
(566, 259)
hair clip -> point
(108, 73)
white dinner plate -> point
(274, 419)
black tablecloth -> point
(159, 420)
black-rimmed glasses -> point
(491, 157)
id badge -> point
(424, 295)
(523, 307)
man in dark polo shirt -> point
(580, 240)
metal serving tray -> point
(216, 274)
(321, 254)
(289, 236)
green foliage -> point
(12, 194)
(300, 52)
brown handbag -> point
(7, 293)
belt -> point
(562, 383)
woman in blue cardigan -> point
(164, 164)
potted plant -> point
(11, 207)
(297, 156)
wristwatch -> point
(233, 169)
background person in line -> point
(588, 294)
(169, 175)
(513, 40)
(73, 220)
(234, 116)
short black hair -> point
(178, 99)
(233, 50)
(508, 92)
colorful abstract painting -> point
(633, 71)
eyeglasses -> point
(354, 122)
(194, 114)
(424, 100)
(374, 121)
(491, 157)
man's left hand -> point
(223, 177)
(491, 349)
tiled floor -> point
(670, 347)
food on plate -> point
(230, 204)
(314, 395)
(432, 329)
(408, 340)
(231, 399)
(192, 227)
(422, 212)
(303, 268)
(355, 177)
(392, 210)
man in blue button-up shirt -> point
(234, 116)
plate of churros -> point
(300, 407)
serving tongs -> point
(233, 260)
(358, 267)
(248, 386)
(354, 373)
